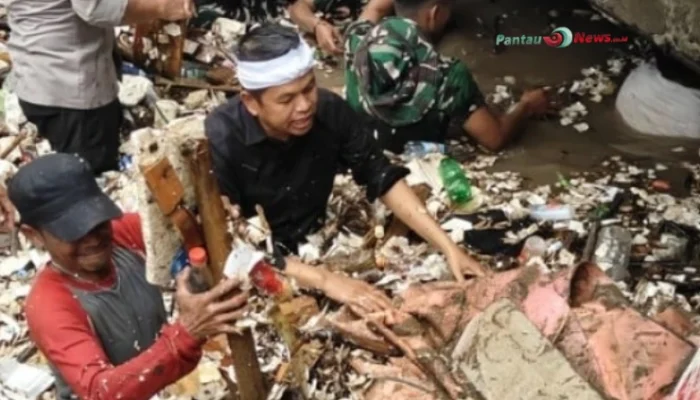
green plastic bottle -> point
(458, 186)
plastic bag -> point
(654, 105)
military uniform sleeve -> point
(360, 152)
(216, 131)
(460, 95)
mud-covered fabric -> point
(395, 75)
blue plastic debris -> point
(125, 162)
(179, 262)
(131, 69)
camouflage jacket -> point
(394, 74)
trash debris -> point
(420, 149)
(551, 212)
(612, 251)
(654, 105)
(534, 246)
(22, 381)
(497, 215)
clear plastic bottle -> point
(534, 246)
(420, 149)
(456, 183)
(552, 212)
(200, 278)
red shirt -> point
(61, 330)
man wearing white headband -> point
(281, 142)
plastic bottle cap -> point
(198, 255)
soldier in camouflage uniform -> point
(411, 92)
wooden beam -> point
(249, 377)
(168, 192)
(170, 48)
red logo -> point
(554, 40)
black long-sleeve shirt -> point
(293, 180)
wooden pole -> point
(250, 380)
(170, 48)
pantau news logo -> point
(560, 37)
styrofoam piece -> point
(22, 381)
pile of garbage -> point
(639, 224)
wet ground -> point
(546, 147)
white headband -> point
(254, 75)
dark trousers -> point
(92, 134)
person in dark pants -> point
(66, 78)
(93, 134)
(280, 143)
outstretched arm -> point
(409, 209)
(338, 287)
(495, 132)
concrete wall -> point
(676, 22)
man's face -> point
(286, 110)
(89, 254)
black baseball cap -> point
(58, 193)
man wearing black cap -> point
(91, 311)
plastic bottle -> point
(200, 277)
(552, 212)
(420, 149)
(265, 277)
(456, 183)
(246, 263)
(534, 246)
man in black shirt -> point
(280, 143)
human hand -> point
(355, 293)
(7, 211)
(176, 10)
(459, 262)
(537, 102)
(210, 313)
(328, 38)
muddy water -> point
(545, 147)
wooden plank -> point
(251, 382)
(192, 83)
(164, 184)
(168, 192)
